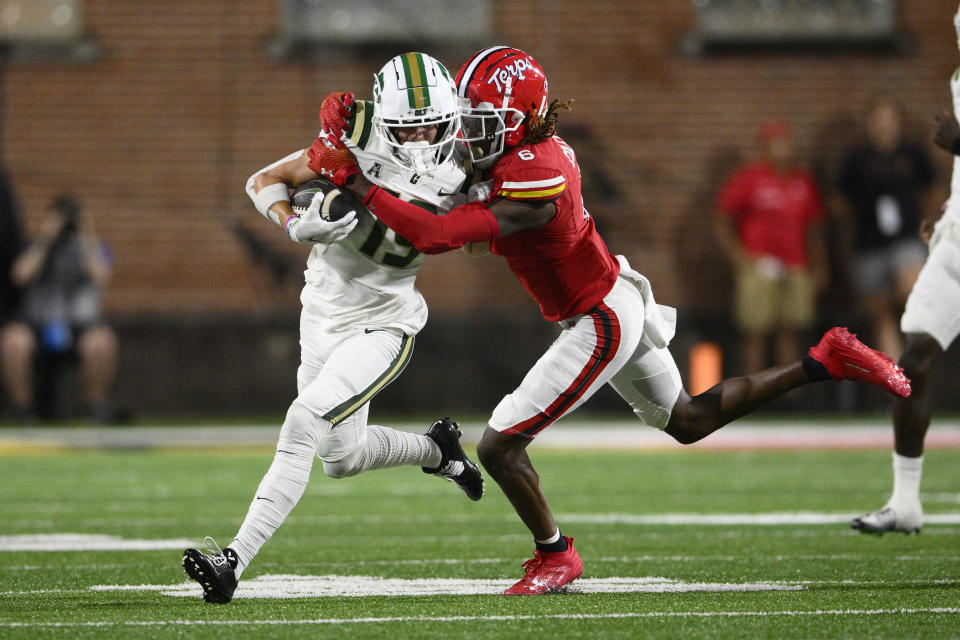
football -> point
(337, 202)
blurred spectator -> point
(885, 183)
(10, 239)
(10, 247)
(769, 227)
(62, 273)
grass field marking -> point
(742, 519)
(86, 542)
(941, 497)
(71, 567)
(281, 586)
(842, 432)
(500, 618)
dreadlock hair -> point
(539, 128)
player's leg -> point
(695, 417)
(285, 480)
(505, 458)
(327, 420)
(838, 356)
(365, 363)
(586, 355)
(911, 416)
(930, 322)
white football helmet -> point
(415, 90)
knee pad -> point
(351, 465)
(301, 426)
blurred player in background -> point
(885, 184)
(612, 329)
(768, 224)
(930, 323)
(361, 309)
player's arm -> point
(946, 132)
(471, 222)
(269, 190)
(269, 187)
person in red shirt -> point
(531, 213)
(769, 227)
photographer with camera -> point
(62, 273)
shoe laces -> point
(532, 566)
(212, 546)
(452, 470)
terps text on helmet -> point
(515, 69)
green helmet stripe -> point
(360, 132)
(415, 73)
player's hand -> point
(336, 165)
(480, 191)
(929, 223)
(311, 227)
(946, 130)
(335, 111)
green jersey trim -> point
(346, 409)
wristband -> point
(286, 225)
(955, 147)
(267, 197)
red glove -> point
(336, 165)
(335, 111)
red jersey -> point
(772, 211)
(564, 265)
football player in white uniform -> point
(361, 309)
(930, 323)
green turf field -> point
(401, 532)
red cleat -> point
(548, 572)
(846, 358)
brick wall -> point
(159, 134)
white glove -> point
(310, 227)
(480, 191)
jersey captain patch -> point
(533, 189)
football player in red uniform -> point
(613, 330)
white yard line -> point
(86, 542)
(502, 618)
(575, 432)
(284, 586)
(68, 541)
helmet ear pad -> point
(515, 137)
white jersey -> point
(949, 223)
(953, 204)
(368, 278)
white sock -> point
(279, 491)
(386, 447)
(906, 482)
(555, 537)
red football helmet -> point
(500, 89)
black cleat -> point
(214, 571)
(455, 466)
